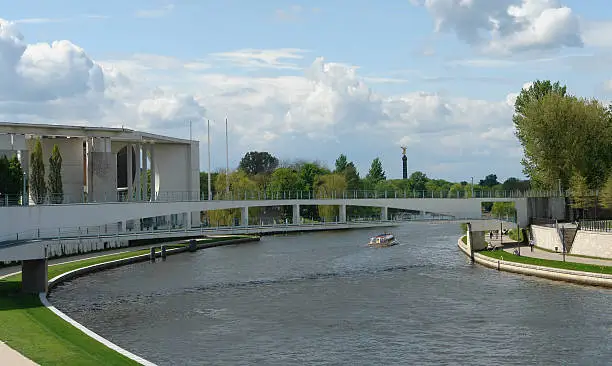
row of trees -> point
(262, 172)
(52, 187)
(11, 179)
(567, 142)
(12, 176)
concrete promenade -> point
(9, 356)
(510, 245)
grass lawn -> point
(33, 330)
(43, 337)
(499, 254)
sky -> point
(306, 80)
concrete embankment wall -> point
(589, 243)
(583, 278)
(546, 237)
(595, 244)
(141, 258)
(116, 263)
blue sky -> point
(309, 79)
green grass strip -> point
(37, 333)
(502, 255)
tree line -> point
(567, 143)
(260, 172)
(39, 187)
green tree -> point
(561, 135)
(514, 184)
(15, 178)
(606, 193)
(352, 177)
(285, 180)
(376, 173)
(56, 187)
(418, 180)
(255, 162)
(38, 187)
(330, 185)
(341, 163)
(489, 181)
(204, 183)
(4, 176)
(582, 198)
(309, 172)
(503, 209)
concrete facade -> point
(594, 244)
(546, 237)
(90, 166)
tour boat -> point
(382, 240)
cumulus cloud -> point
(507, 26)
(322, 111)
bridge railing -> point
(242, 195)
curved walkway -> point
(9, 356)
(510, 245)
(541, 270)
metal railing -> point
(116, 230)
(596, 225)
(185, 196)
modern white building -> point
(103, 164)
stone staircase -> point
(568, 237)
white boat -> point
(382, 240)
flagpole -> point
(209, 180)
(227, 185)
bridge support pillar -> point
(34, 276)
(384, 213)
(244, 216)
(342, 213)
(475, 240)
(296, 214)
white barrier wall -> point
(546, 237)
(594, 244)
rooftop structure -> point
(97, 161)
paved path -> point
(12, 269)
(510, 245)
(9, 356)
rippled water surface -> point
(325, 299)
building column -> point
(296, 214)
(34, 276)
(143, 173)
(384, 213)
(130, 189)
(244, 215)
(152, 168)
(342, 213)
(138, 169)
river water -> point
(327, 299)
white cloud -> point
(252, 58)
(294, 12)
(597, 34)
(155, 13)
(607, 86)
(508, 26)
(325, 110)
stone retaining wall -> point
(583, 278)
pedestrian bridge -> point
(22, 222)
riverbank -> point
(580, 273)
(25, 318)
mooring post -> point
(152, 255)
(192, 245)
(163, 252)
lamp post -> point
(472, 187)
(209, 179)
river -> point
(327, 299)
